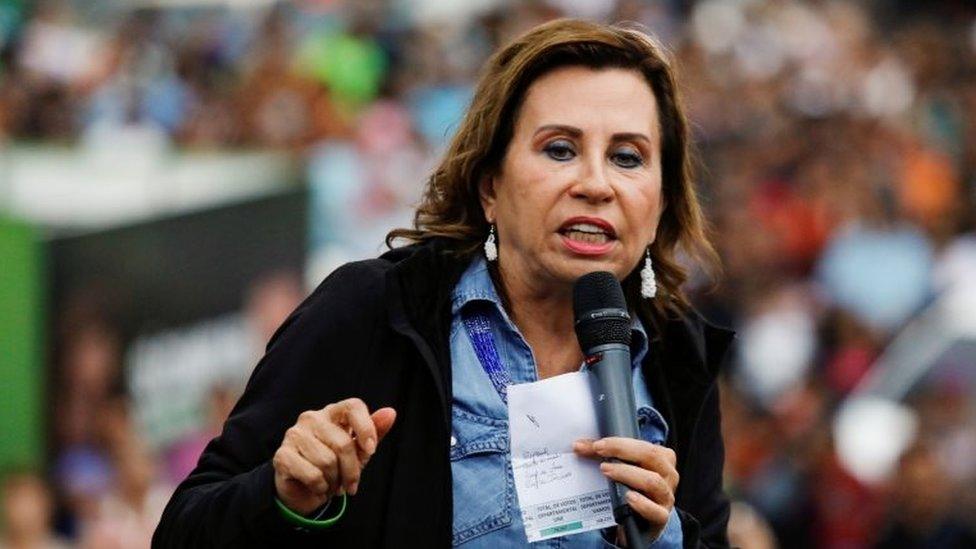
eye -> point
(560, 149)
(627, 158)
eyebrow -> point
(576, 132)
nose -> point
(592, 183)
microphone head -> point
(600, 311)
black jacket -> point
(378, 330)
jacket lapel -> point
(418, 304)
(680, 370)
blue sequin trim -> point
(478, 326)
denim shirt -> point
(486, 511)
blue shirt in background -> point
(486, 512)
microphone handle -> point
(610, 370)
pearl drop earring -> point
(648, 284)
(491, 248)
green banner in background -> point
(22, 371)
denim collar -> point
(476, 285)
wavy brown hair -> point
(450, 207)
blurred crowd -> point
(836, 160)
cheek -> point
(645, 211)
(533, 194)
(527, 210)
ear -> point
(486, 194)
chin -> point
(581, 266)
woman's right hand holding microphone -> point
(325, 451)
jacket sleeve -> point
(228, 499)
(705, 520)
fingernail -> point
(355, 488)
(370, 445)
(631, 495)
(604, 466)
(578, 446)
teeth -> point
(586, 228)
(589, 238)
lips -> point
(588, 230)
(588, 236)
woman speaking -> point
(376, 419)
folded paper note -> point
(559, 493)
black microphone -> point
(603, 331)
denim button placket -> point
(481, 445)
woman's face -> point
(579, 189)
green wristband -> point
(309, 523)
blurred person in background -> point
(25, 513)
(125, 516)
(924, 511)
(573, 158)
(268, 301)
(88, 378)
(182, 455)
(748, 529)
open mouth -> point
(588, 232)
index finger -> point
(354, 413)
(639, 452)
